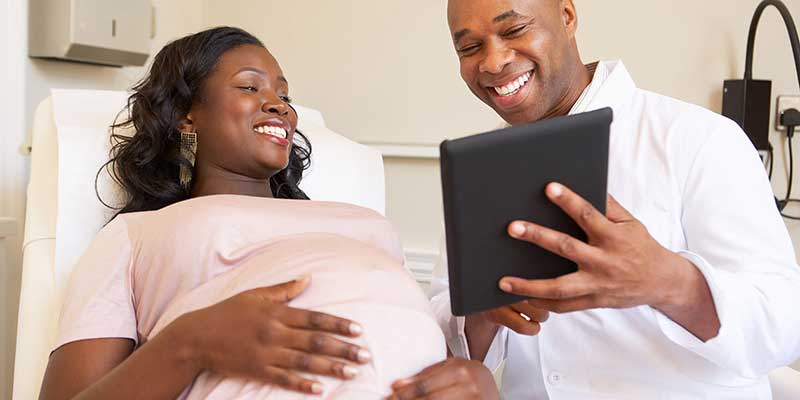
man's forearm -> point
(480, 333)
(689, 303)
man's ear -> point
(569, 17)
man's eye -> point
(469, 49)
(286, 99)
(249, 88)
(515, 31)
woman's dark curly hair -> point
(147, 164)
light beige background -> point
(385, 72)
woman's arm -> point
(253, 335)
(109, 368)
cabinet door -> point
(112, 24)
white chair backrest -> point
(70, 144)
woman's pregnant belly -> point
(349, 279)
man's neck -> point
(592, 68)
(581, 80)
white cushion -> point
(70, 144)
(785, 384)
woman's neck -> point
(212, 180)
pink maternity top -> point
(146, 269)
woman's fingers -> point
(453, 378)
(324, 344)
(301, 361)
(317, 321)
(430, 381)
(291, 381)
(282, 292)
(450, 392)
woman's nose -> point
(275, 106)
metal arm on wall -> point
(790, 26)
(748, 76)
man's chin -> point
(531, 110)
(519, 116)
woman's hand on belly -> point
(255, 335)
(451, 379)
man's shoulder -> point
(681, 115)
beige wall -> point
(26, 82)
(381, 72)
(385, 72)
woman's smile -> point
(275, 130)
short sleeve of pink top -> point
(146, 269)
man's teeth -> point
(271, 130)
(514, 86)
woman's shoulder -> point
(258, 205)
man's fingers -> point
(555, 242)
(512, 319)
(567, 306)
(580, 210)
(565, 287)
(320, 343)
(317, 321)
(284, 292)
(616, 212)
(535, 314)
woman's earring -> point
(188, 151)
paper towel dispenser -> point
(105, 32)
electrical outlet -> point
(785, 103)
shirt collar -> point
(612, 86)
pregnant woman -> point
(218, 278)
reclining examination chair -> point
(70, 143)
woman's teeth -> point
(271, 130)
(514, 86)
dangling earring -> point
(188, 151)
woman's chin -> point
(275, 166)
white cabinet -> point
(107, 32)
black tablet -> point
(492, 179)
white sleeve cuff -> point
(453, 328)
(497, 349)
(728, 338)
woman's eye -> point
(286, 99)
(249, 88)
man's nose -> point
(496, 59)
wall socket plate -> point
(785, 103)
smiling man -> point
(686, 288)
